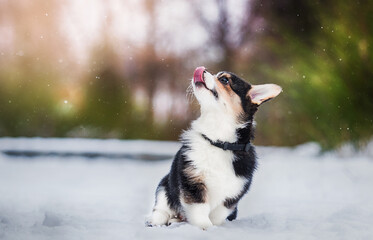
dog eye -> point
(224, 80)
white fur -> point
(198, 214)
(215, 165)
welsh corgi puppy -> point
(214, 167)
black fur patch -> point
(233, 215)
(193, 189)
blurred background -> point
(120, 69)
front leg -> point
(219, 214)
(197, 214)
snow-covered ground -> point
(297, 193)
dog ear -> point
(261, 93)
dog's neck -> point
(224, 127)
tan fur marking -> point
(195, 179)
(230, 97)
(227, 75)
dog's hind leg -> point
(162, 213)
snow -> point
(297, 193)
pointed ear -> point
(261, 93)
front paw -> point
(203, 224)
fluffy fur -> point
(205, 182)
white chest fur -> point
(212, 164)
(215, 167)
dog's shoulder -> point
(245, 163)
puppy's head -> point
(227, 93)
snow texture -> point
(297, 193)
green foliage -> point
(109, 109)
(26, 104)
(328, 87)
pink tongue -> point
(198, 74)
